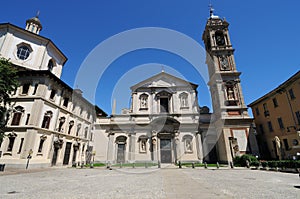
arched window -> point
(61, 122)
(71, 124)
(47, 119)
(78, 129)
(12, 136)
(19, 110)
(42, 141)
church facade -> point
(161, 125)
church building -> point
(165, 123)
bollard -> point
(231, 165)
(179, 164)
(218, 166)
(158, 164)
(120, 164)
(247, 164)
(146, 165)
(193, 165)
(205, 165)
(133, 166)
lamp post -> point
(29, 157)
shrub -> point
(264, 164)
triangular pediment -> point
(163, 80)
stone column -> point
(154, 146)
(199, 146)
(177, 147)
(110, 149)
(131, 155)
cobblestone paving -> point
(139, 183)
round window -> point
(23, 52)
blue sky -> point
(263, 33)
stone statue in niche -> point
(230, 93)
(144, 101)
(188, 145)
(224, 63)
(183, 100)
(143, 145)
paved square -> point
(150, 183)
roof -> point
(278, 89)
(31, 34)
(161, 75)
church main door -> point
(165, 151)
(121, 153)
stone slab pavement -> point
(169, 183)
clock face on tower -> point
(220, 39)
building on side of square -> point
(162, 124)
(49, 120)
(277, 120)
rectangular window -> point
(266, 111)
(257, 111)
(25, 89)
(21, 145)
(275, 103)
(298, 117)
(41, 145)
(66, 101)
(261, 129)
(52, 95)
(35, 89)
(286, 144)
(270, 126)
(280, 123)
(11, 143)
(16, 119)
(291, 92)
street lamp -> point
(29, 157)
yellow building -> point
(277, 119)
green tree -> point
(8, 85)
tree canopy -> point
(8, 85)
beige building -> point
(277, 119)
(49, 122)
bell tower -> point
(231, 118)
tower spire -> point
(211, 10)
